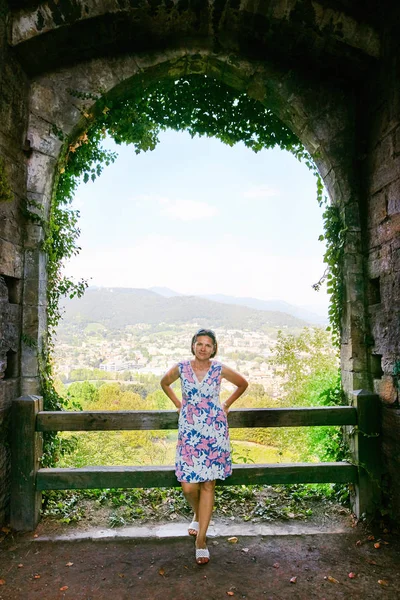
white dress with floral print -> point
(203, 450)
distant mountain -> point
(274, 305)
(302, 312)
(166, 292)
(116, 308)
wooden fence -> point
(29, 421)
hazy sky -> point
(200, 217)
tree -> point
(84, 393)
(310, 367)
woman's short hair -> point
(208, 332)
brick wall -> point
(383, 249)
(13, 120)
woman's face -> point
(203, 347)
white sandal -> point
(195, 526)
(202, 553)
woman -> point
(203, 450)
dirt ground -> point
(307, 566)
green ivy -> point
(334, 236)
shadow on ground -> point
(283, 564)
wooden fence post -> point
(366, 449)
(26, 451)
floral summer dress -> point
(203, 450)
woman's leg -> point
(191, 491)
(205, 509)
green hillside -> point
(117, 308)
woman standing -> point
(203, 451)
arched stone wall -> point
(319, 65)
(320, 114)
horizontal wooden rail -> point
(168, 419)
(29, 421)
(148, 477)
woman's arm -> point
(166, 382)
(237, 379)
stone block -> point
(353, 264)
(9, 389)
(353, 243)
(386, 389)
(355, 287)
(35, 265)
(354, 381)
(329, 125)
(377, 208)
(34, 322)
(35, 235)
(41, 137)
(385, 231)
(53, 103)
(40, 174)
(393, 197)
(15, 165)
(380, 260)
(11, 259)
(351, 215)
(29, 361)
(385, 169)
(11, 225)
(35, 292)
(30, 386)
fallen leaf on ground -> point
(20, 566)
(293, 580)
(352, 575)
(276, 565)
(63, 588)
(245, 550)
(332, 579)
(121, 575)
(161, 571)
(371, 538)
(6, 529)
(233, 540)
(69, 564)
(370, 561)
(383, 582)
(2, 581)
(377, 545)
(36, 577)
(358, 543)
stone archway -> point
(328, 70)
(321, 116)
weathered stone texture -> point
(383, 242)
(13, 121)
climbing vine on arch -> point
(197, 104)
